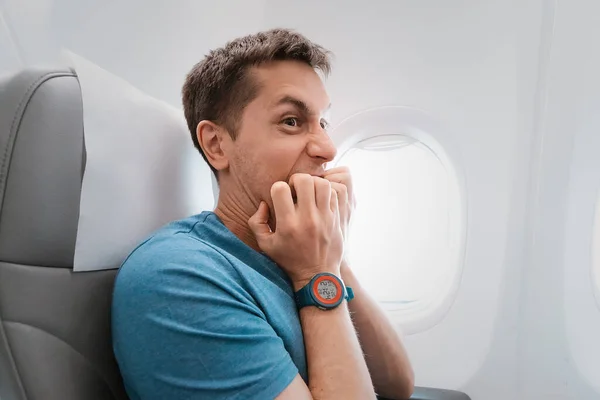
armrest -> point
(423, 393)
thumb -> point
(259, 223)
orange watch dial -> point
(327, 290)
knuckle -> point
(312, 223)
(302, 178)
(278, 187)
(321, 183)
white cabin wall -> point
(582, 293)
(31, 24)
(153, 44)
(498, 376)
(10, 60)
(150, 43)
(560, 322)
(548, 299)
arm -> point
(385, 355)
(336, 366)
(308, 241)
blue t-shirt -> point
(198, 314)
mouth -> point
(317, 175)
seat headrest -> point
(142, 170)
(90, 166)
(42, 161)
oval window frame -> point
(414, 124)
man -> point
(249, 301)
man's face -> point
(282, 131)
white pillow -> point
(142, 169)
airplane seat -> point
(55, 339)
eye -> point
(291, 121)
(324, 124)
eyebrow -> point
(301, 105)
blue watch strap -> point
(303, 297)
(349, 293)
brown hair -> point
(218, 88)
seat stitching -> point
(12, 361)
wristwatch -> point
(325, 291)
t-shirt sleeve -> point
(184, 328)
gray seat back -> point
(54, 323)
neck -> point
(235, 212)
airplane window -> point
(404, 241)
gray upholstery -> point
(54, 324)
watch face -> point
(327, 290)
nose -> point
(321, 146)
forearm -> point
(385, 355)
(336, 365)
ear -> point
(211, 137)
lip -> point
(320, 174)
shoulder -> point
(176, 257)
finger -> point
(304, 187)
(335, 208)
(333, 201)
(259, 223)
(322, 193)
(283, 204)
(344, 178)
(342, 192)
